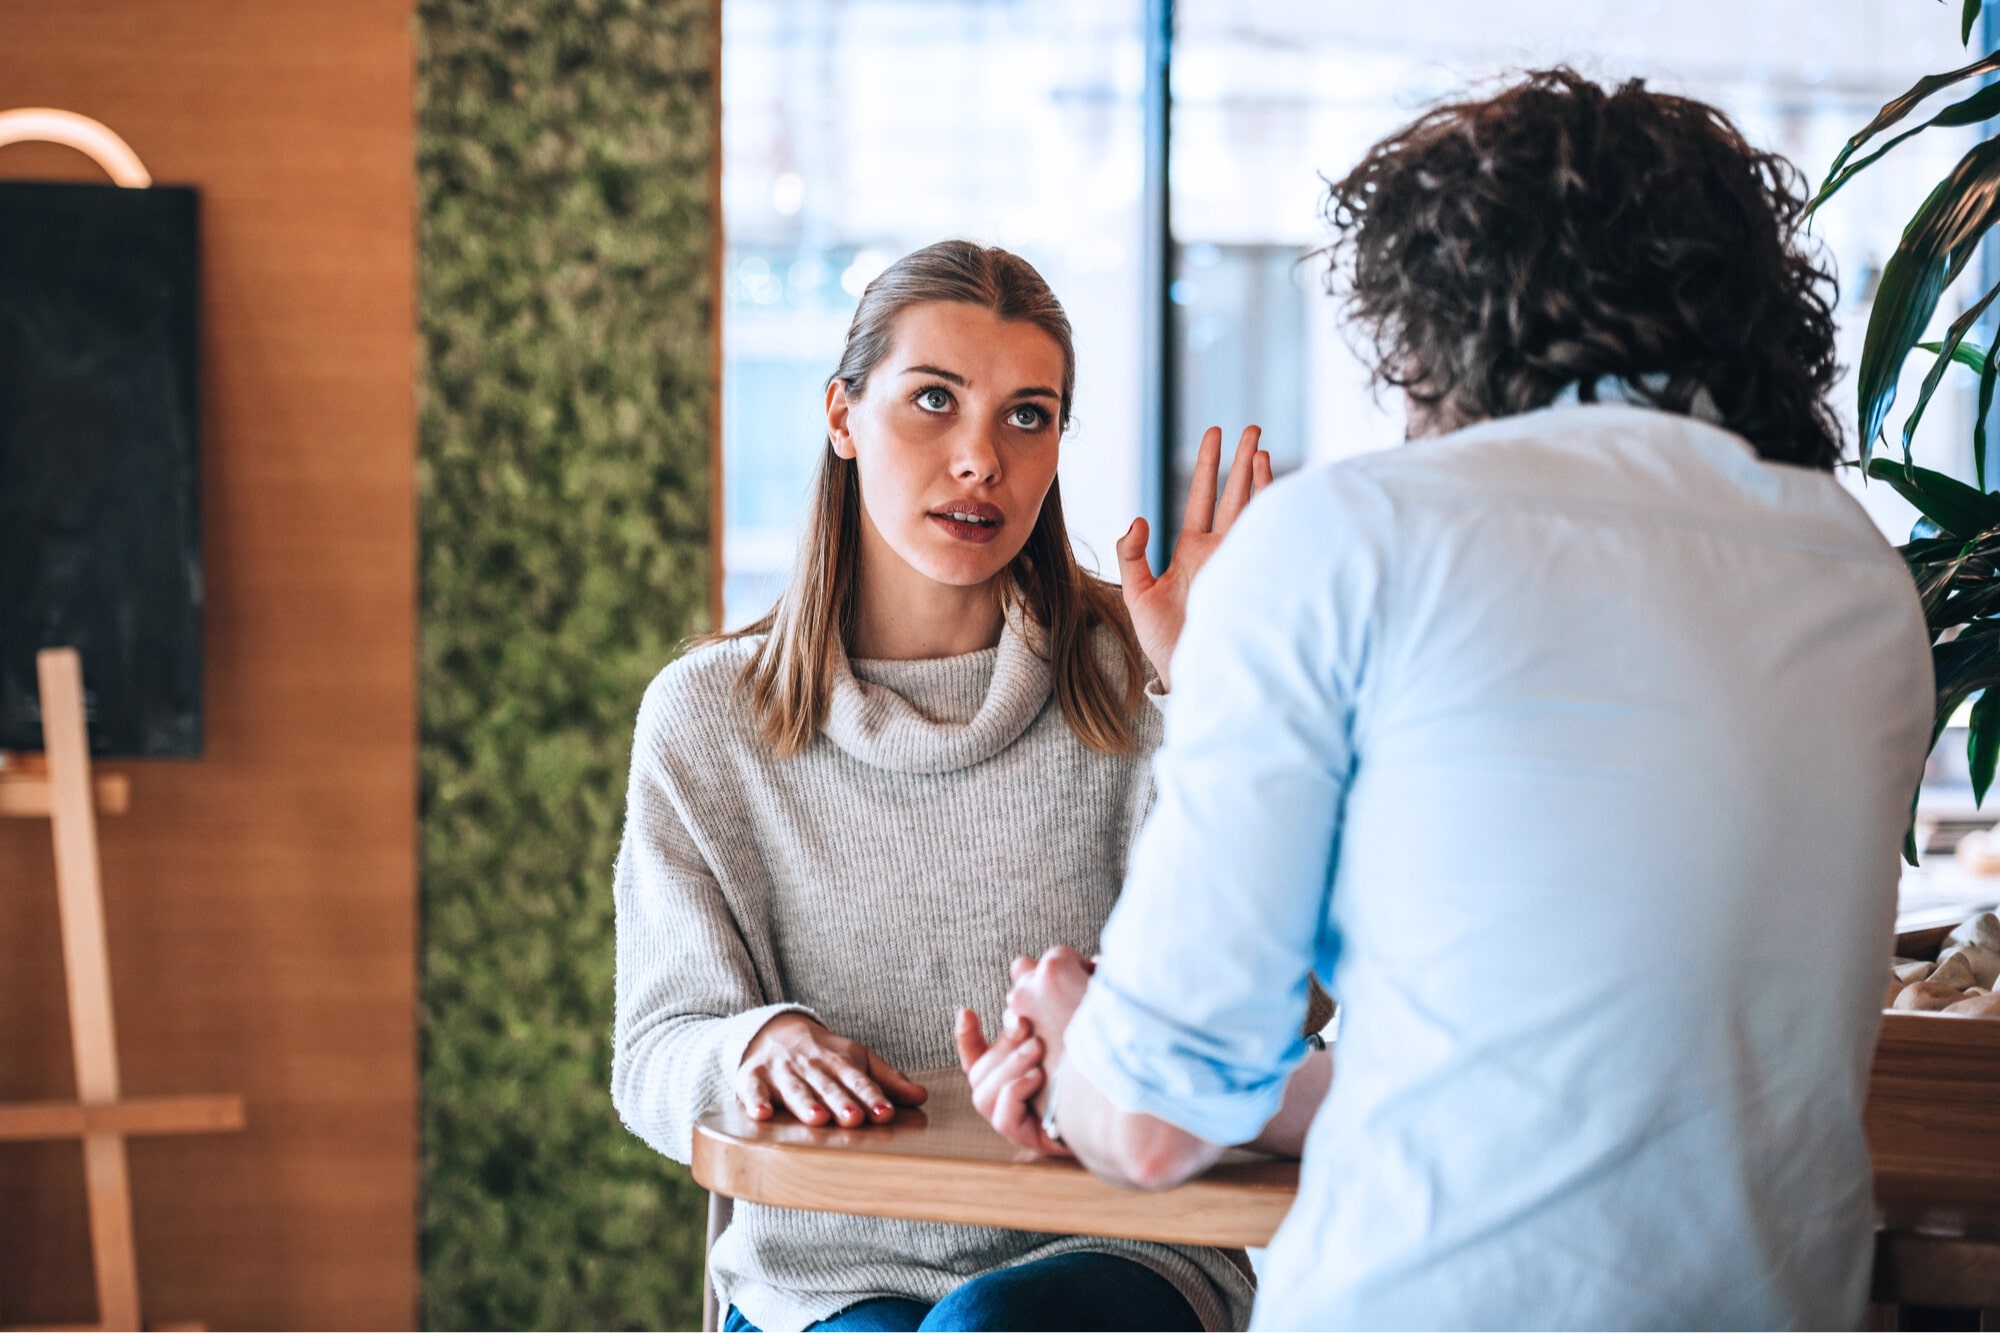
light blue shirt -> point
(1576, 750)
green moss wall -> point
(564, 153)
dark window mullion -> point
(1158, 379)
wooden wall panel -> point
(262, 901)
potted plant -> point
(1954, 552)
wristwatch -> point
(1050, 1130)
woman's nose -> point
(976, 459)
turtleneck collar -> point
(941, 714)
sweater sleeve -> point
(688, 999)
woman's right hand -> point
(819, 1077)
(1159, 605)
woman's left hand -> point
(1158, 606)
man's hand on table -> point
(1045, 997)
(1005, 1076)
(1008, 1076)
(819, 1077)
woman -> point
(929, 757)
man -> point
(1574, 741)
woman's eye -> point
(934, 399)
(1028, 417)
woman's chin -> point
(964, 567)
(957, 574)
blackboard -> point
(100, 538)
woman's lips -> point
(972, 521)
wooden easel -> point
(58, 787)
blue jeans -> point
(1068, 1291)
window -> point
(854, 132)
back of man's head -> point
(1495, 252)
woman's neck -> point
(902, 615)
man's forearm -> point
(1131, 1148)
(1145, 1152)
(1285, 1135)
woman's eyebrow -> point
(939, 371)
(953, 377)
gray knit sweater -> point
(944, 821)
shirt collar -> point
(1632, 391)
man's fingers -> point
(1023, 1126)
(1135, 572)
(1019, 968)
(1011, 1115)
(997, 1071)
(1200, 516)
(1263, 471)
(995, 1054)
(1242, 473)
(1003, 1062)
(971, 1040)
(1026, 1056)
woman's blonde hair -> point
(789, 680)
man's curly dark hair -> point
(1494, 252)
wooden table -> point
(1937, 1173)
(944, 1163)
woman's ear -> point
(836, 420)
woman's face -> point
(955, 439)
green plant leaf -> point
(1988, 375)
(1946, 501)
(1970, 357)
(1984, 365)
(1966, 665)
(1910, 833)
(1982, 745)
(1953, 340)
(1982, 105)
(1894, 111)
(1935, 587)
(1958, 581)
(1968, 16)
(1935, 248)
(1966, 600)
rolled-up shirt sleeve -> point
(1193, 1015)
